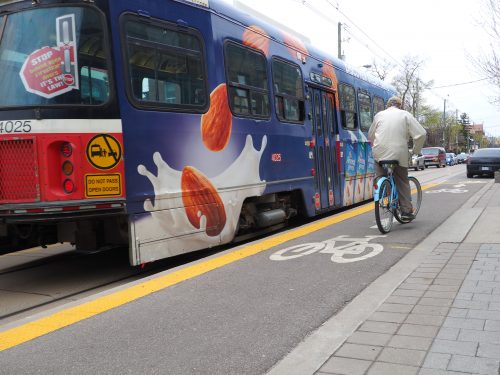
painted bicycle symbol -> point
(355, 250)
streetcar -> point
(169, 126)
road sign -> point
(42, 73)
(104, 151)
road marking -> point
(376, 226)
(452, 191)
(473, 182)
(37, 328)
(353, 250)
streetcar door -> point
(324, 148)
(333, 130)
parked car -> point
(417, 162)
(462, 158)
(434, 156)
(484, 161)
(451, 158)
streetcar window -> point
(247, 81)
(288, 91)
(331, 114)
(347, 99)
(365, 111)
(317, 113)
(378, 104)
(54, 56)
(165, 66)
(94, 85)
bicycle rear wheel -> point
(383, 211)
(416, 200)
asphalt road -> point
(244, 316)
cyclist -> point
(389, 135)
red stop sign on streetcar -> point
(42, 72)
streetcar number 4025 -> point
(16, 126)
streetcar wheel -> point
(383, 211)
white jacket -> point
(390, 132)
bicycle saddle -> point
(383, 163)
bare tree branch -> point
(381, 69)
(409, 85)
(488, 65)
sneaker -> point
(407, 216)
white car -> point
(417, 162)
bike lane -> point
(242, 317)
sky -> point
(442, 33)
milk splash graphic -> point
(239, 181)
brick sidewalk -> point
(443, 319)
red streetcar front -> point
(61, 153)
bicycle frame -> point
(394, 198)
(387, 205)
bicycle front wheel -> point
(416, 199)
(383, 210)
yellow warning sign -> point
(103, 185)
(104, 151)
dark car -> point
(484, 161)
(434, 156)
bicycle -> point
(386, 197)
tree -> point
(488, 65)
(409, 85)
(381, 69)
(431, 119)
(464, 121)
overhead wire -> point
(462, 83)
(365, 45)
(337, 7)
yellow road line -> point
(29, 331)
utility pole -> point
(444, 120)
(339, 34)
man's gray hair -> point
(394, 101)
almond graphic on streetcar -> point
(329, 71)
(216, 124)
(200, 198)
(256, 37)
(295, 46)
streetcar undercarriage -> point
(93, 231)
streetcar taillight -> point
(66, 149)
(67, 168)
(68, 186)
